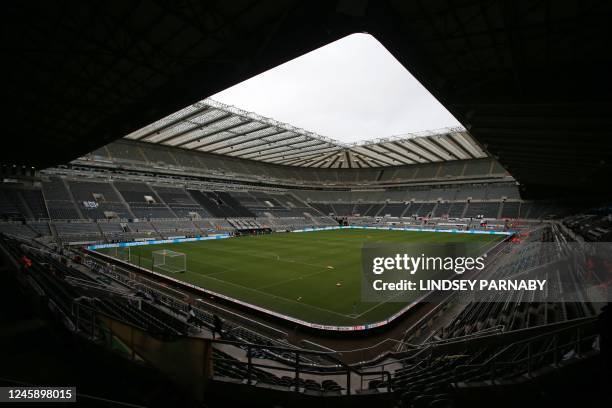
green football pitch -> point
(311, 276)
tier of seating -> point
(143, 202)
(482, 210)
(59, 202)
(591, 227)
(245, 224)
(434, 193)
(77, 292)
(230, 367)
(158, 207)
(180, 202)
(17, 203)
(284, 224)
(412, 209)
(212, 225)
(264, 204)
(17, 229)
(113, 230)
(133, 153)
(77, 231)
(72, 198)
(97, 200)
(175, 226)
(504, 311)
(220, 204)
(433, 375)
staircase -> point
(122, 200)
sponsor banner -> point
(452, 231)
(157, 241)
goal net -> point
(123, 253)
(169, 261)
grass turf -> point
(295, 274)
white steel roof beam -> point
(316, 147)
(271, 147)
(398, 159)
(289, 153)
(259, 144)
(187, 113)
(323, 159)
(303, 161)
(369, 161)
(363, 150)
(409, 157)
(465, 141)
(410, 146)
(451, 147)
(209, 130)
(426, 144)
(249, 140)
(208, 118)
(232, 135)
(302, 153)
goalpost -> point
(123, 253)
(169, 261)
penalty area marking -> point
(283, 298)
(274, 296)
(245, 253)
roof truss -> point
(213, 127)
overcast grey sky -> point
(350, 90)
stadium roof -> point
(529, 80)
(213, 127)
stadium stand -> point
(98, 200)
(112, 231)
(483, 210)
(511, 209)
(41, 227)
(456, 210)
(394, 210)
(10, 206)
(442, 209)
(68, 197)
(593, 227)
(77, 231)
(59, 202)
(180, 202)
(220, 204)
(17, 229)
(143, 201)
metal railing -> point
(255, 361)
(300, 366)
(539, 351)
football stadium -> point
(163, 246)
